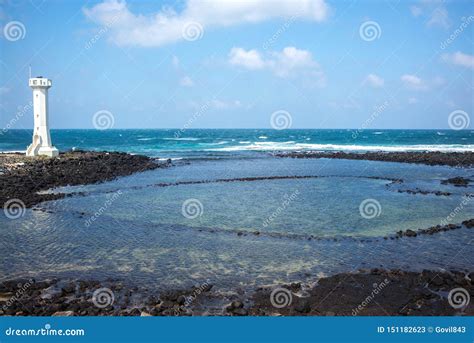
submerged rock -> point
(457, 181)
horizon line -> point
(254, 128)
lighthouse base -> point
(42, 151)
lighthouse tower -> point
(41, 138)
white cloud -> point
(412, 101)
(413, 82)
(166, 26)
(416, 11)
(374, 80)
(291, 60)
(434, 12)
(439, 17)
(186, 81)
(250, 59)
(460, 59)
(286, 63)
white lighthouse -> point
(41, 138)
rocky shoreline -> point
(371, 293)
(453, 159)
(21, 177)
(365, 292)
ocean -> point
(215, 143)
(230, 212)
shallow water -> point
(134, 229)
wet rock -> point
(456, 181)
(72, 168)
(236, 304)
(459, 159)
(181, 300)
(410, 233)
(468, 223)
(63, 314)
(240, 312)
(303, 307)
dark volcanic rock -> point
(377, 293)
(457, 181)
(468, 223)
(23, 177)
(460, 159)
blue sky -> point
(211, 64)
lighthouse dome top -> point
(40, 82)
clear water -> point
(140, 234)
